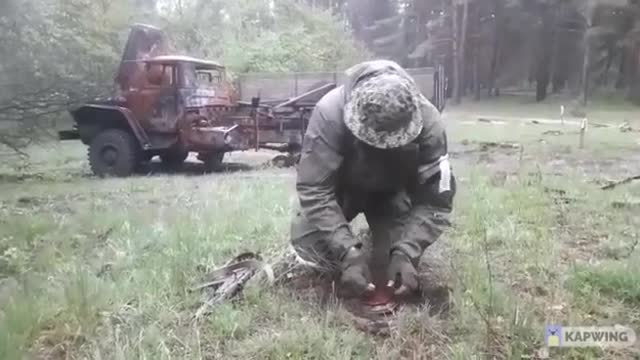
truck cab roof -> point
(173, 59)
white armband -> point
(442, 166)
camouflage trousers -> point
(387, 216)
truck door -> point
(163, 101)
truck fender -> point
(92, 118)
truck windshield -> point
(206, 78)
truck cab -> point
(168, 88)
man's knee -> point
(309, 243)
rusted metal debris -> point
(228, 281)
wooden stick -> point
(583, 130)
(621, 182)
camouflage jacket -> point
(330, 169)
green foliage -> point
(80, 41)
(55, 53)
(251, 36)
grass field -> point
(101, 268)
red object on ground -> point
(382, 295)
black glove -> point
(402, 275)
(355, 276)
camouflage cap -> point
(384, 111)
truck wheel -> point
(174, 158)
(212, 161)
(114, 152)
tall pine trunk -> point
(460, 86)
(545, 52)
(463, 48)
(456, 52)
(634, 75)
(607, 68)
(622, 72)
(586, 63)
(476, 70)
(476, 53)
(493, 71)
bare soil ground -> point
(103, 268)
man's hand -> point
(355, 277)
(402, 275)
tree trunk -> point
(463, 49)
(634, 76)
(561, 64)
(462, 53)
(621, 81)
(558, 82)
(607, 68)
(542, 80)
(553, 65)
(497, 10)
(476, 70)
(456, 52)
(545, 50)
(476, 55)
(586, 64)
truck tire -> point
(174, 159)
(212, 161)
(114, 152)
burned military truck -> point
(160, 109)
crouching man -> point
(374, 146)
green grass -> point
(463, 125)
(613, 279)
(101, 268)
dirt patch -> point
(322, 288)
(605, 168)
(497, 157)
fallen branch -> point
(621, 182)
(553, 132)
(486, 145)
(14, 146)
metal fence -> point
(288, 85)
